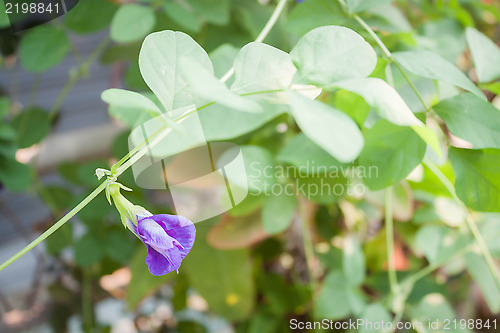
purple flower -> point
(168, 239)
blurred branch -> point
(75, 75)
(468, 218)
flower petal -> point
(179, 228)
(161, 264)
(154, 235)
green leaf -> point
(307, 156)
(4, 107)
(355, 6)
(218, 123)
(4, 18)
(433, 66)
(353, 262)
(159, 60)
(119, 246)
(477, 174)
(471, 118)
(393, 151)
(492, 87)
(213, 11)
(312, 14)
(88, 251)
(182, 16)
(129, 99)
(434, 308)
(352, 104)
(59, 239)
(485, 54)
(58, 198)
(32, 126)
(384, 99)
(332, 53)
(260, 67)
(206, 86)
(440, 243)
(14, 175)
(132, 22)
(260, 169)
(278, 211)
(223, 278)
(374, 313)
(478, 269)
(142, 283)
(222, 58)
(329, 128)
(333, 300)
(90, 16)
(43, 48)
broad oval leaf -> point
(129, 99)
(260, 67)
(43, 48)
(311, 14)
(383, 98)
(333, 299)
(485, 54)
(477, 177)
(307, 156)
(471, 118)
(355, 6)
(32, 126)
(353, 261)
(278, 211)
(393, 150)
(90, 16)
(432, 66)
(159, 60)
(332, 53)
(206, 86)
(132, 22)
(329, 128)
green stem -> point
(388, 54)
(87, 309)
(308, 247)
(468, 218)
(389, 235)
(56, 225)
(263, 34)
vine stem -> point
(398, 300)
(263, 34)
(306, 239)
(468, 218)
(389, 235)
(56, 225)
(132, 156)
(388, 54)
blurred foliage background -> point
(242, 275)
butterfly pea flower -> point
(168, 238)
